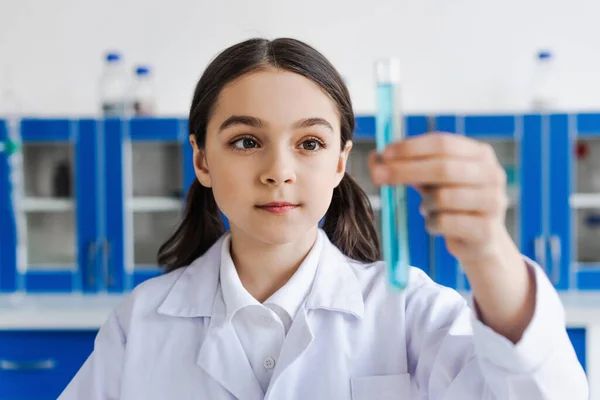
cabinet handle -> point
(556, 254)
(90, 272)
(540, 250)
(108, 270)
(38, 365)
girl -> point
(278, 308)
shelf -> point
(46, 204)
(585, 200)
(154, 204)
(52, 267)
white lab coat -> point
(352, 339)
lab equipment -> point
(114, 85)
(544, 83)
(144, 97)
(389, 128)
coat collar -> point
(335, 287)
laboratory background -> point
(95, 162)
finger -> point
(478, 199)
(438, 171)
(468, 227)
(376, 168)
(439, 144)
(374, 159)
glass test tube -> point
(389, 128)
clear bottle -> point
(143, 92)
(114, 84)
(544, 83)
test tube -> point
(389, 128)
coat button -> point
(269, 363)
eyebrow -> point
(241, 120)
(309, 122)
(258, 123)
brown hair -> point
(349, 220)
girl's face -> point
(272, 155)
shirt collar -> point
(290, 296)
(194, 289)
(235, 295)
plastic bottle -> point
(114, 83)
(143, 93)
(544, 83)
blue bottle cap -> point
(544, 55)
(111, 57)
(142, 71)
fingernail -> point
(378, 158)
(427, 201)
(431, 224)
(380, 174)
(388, 153)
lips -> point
(277, 207)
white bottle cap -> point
(387, 70)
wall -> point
(457, 55)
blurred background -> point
(95, 163)
(463, 55)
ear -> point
(341, 167)
(200, 164)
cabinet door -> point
(577, 225)
(557, 221)
(533, 200)
(504, 133)
(89, 193)
(40, 364)
(57, 206)
(144, 203)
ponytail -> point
(349, 222)
(199, 229)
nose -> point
(278, 168)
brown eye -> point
(310, 145)
(245, 143)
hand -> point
(463, 187)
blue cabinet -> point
(100, 196)
(516, 141)
(148, 170)
(98, 199)
(49, 242)
(575, 144)
(39, 364)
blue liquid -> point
(393, 199)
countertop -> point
(89, 311)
